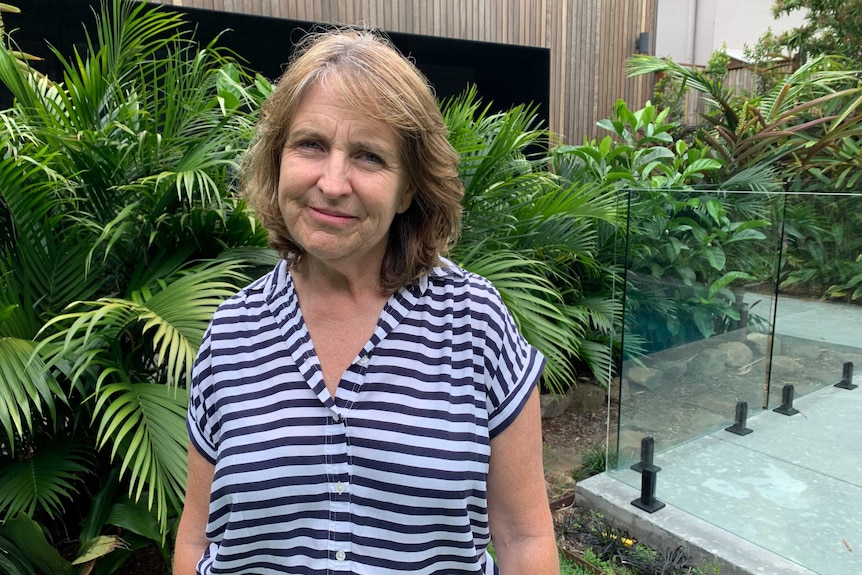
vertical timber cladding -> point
(589, 40)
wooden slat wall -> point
(589, 40)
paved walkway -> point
(785, 499)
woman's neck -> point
(330, 285)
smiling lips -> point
(330, 215)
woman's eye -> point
(371, 158)
(309, 145)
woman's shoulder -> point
(471, 289)
(450, 273)
(255, 295)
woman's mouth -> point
(330, 215)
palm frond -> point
(43, 480)
(145, 423)
(27, 389)
(173, 315)
(718, 96)
(535, 305)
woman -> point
(367, 407)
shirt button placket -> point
(339, 503)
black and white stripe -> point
(388, 477)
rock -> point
(560, 483)
(708, 362)
(673, 371)
(807, 351)
(552, 405)
(760, 341)
(783, 366)
(738, 354)
(586, 398)
(644, 376)
(616, 386)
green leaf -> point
(100, 508)
(703, 320)
(44, 480)
(727, 279)
(715, 210)
(134, 517)
(746, 234)
(30, 539)
(98, 547)
(610, 126)
(716, 257)
(700, 166)
(27, 388)
(146, 425)
(12, 560)
(605, 145)
(6, 312)
(687, 275)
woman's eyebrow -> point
(378, 146)
(303, 133)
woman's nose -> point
(334, 180)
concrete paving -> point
(785, 499)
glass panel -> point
(817, 319)
(714, 315)
(700, 271)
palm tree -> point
(533, 234)
(121, 233)
(804, 136)
(795, 132)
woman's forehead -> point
(345, 92)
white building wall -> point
(689, 31)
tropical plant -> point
(685, 248)
(641, 152)
(797, 133)
(822, 245)
(801, 136)
(120, 235)
(533, 234)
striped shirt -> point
(386, 478)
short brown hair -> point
(377, 80)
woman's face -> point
(341, 181)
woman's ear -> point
(406, 200)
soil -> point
(146, 561)
(567, 439)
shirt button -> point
(340, 555)
(339, 487)
(335, 417)
(363, 360)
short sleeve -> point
(513, 367)
(200, 417)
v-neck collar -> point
(283, 303)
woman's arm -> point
(518, 512)
(191, 539)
